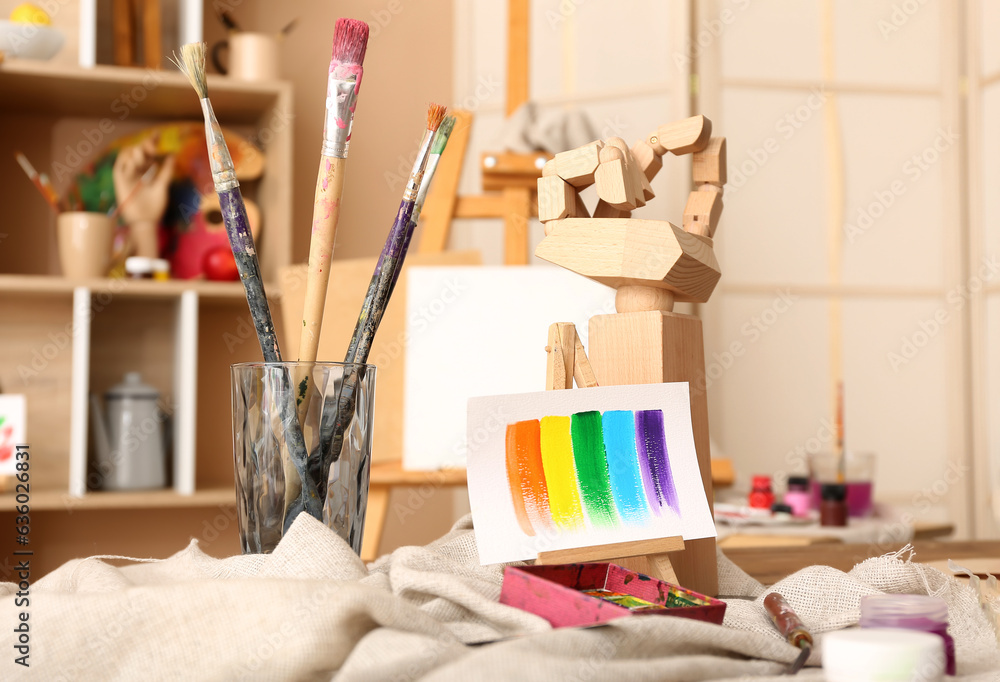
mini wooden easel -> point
(651, 264)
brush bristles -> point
(435, 114)
(192, 64)
(350, 41)
(442, 135)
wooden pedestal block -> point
(652, 347)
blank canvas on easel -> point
(558, 470)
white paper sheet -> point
(499, 536)
(478, 330)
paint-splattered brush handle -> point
(234, 215)
(326, 214)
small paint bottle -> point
(781, 512)
(139, 267)
(881, 654)
(910, 612)
(833, 505)
(797, 496)
(161, 269)
(761, 495)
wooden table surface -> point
(771, 564)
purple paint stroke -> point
(651, 444)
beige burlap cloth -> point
(313, 611)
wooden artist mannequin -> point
(141, 202)
(652, 264)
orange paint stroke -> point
(526, 477)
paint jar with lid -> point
(882, 655)
(761, 495)
(911, 612)
(797, 496)
(139, 267)
(833, 505)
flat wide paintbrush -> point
(335, 422)
(350, 41)
(234, 215)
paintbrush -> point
(437, 149)
(234, 216)
(381, 283)
(46, 190)
(350, 41)
(146, 178)
(791, 628)
(334, 422)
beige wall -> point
(391, 110)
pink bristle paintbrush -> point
(350, 41)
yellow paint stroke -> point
(560, 473)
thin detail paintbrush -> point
(335, 421)
(234, 215)
(381, 283)
(46, 190)
(350, 41)
(437, 149)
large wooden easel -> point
(508, 178)
(651, 264)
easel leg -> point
(653, 347)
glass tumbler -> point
(302, 443)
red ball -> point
(220, 265)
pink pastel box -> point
(554, 593)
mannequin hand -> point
(149, 201)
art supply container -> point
(314, 459)
(911, 612)
(761, 496)
(833, 505)
(84, 243)
(859, 475)
(252, 56)
(798, 496)
(882, 655)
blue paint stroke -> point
(623, 466)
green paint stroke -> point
(592, 468)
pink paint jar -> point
(910, 612)
(798, 496)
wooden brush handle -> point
(326, 213)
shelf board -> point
(116, 92)
(51, 500)
(126, 288)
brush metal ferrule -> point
(221, 162)
(341, 98)
(419, 167)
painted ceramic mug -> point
(252, 56)
(84, 243)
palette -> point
(563, 470)
(576, 595)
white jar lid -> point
(883, 654)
